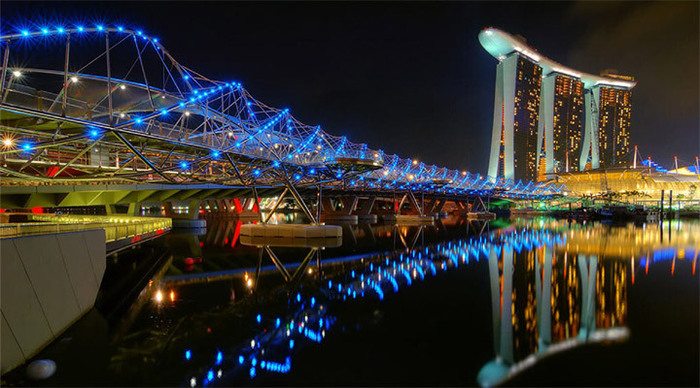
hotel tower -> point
(549, 118)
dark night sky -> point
(411, 78)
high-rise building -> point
(516, 113)
(614, 126)
(562, 95)
(562, 120)
(609, 117)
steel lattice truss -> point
(110, 104)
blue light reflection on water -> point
(271, 350)
(378, 276)
(204, 328)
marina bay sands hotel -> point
(549, 118)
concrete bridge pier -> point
(187, 219)
(364, 210)
(242, 208)
(339, 209)
(408, 210)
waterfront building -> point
(563, 96)
(563, 120)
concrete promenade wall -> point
(47, 283)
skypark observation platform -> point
(109, 105)
(500, 44)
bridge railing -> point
(115, 227)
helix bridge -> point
(104, 104)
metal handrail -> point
(115, 227)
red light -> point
(188, 261)
(51, 171)
(37, 210)
(201, 244)
(237, 205)
(236, 233)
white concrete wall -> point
(47, 282)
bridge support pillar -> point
(343, 213)
(190, 219)
(134, 209)
(110, 209)
(364, 208)
(412, 213)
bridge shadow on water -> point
(515, 302)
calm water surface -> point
(519, 302)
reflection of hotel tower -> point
(545, 300)
(547, 132)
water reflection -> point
(554, 286)
(223, 312)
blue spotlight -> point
(27, 146)
(60, 30)
(93, 133)
(80, 28)
(184, 165)
(188, 354)
(215, 154)
(100, 27)
(44, 30)
(120, 28)
(256, 172)
(138, 120)
(25, 32)
(163, 112)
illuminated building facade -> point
(563, 120)
(561, 123)
(514, 135)
(615, 112)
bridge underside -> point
(238, 200)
